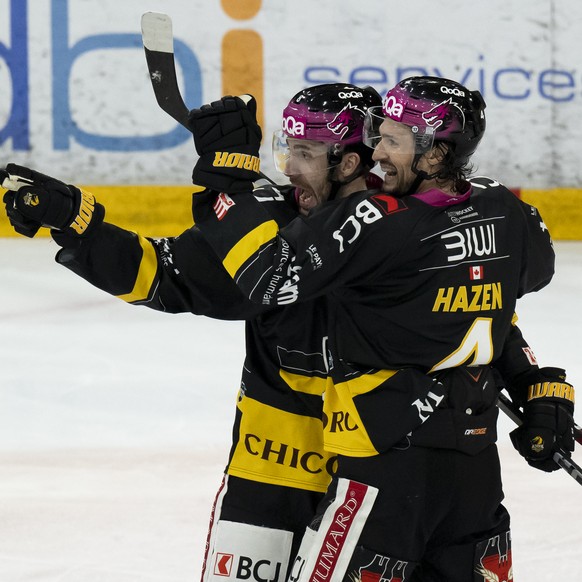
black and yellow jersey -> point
(412, 285)
(278, 434)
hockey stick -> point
(560, 457)
(11, 182)
(158, 43)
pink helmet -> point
(438, 110)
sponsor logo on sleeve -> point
(222, 205)
(531, 357)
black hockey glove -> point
(227, 138)
(548, 420)
(34, 200)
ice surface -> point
(115, 426)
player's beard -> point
(396, 181)
(310, 195)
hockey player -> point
(421, 278)
(277, 470)
(255, 493)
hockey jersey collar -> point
(435, 197)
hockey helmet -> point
(436, 110)
(332, 114)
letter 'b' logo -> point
(223, 564)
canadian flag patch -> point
(222, 205)
(475, 272)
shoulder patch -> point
(389, 204)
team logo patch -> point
(30, 199)
(343, 123)
(531, 357)
(222, 205)
(494, 559)
(537, 444)
(475, 272)
(389, 204)
(382, 569)
(440, 114)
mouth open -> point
(389, 171)
(305, 200)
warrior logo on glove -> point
(227, 138)
(537, 444)
(82, 221)
(548, 418)
(30, 199)
(226, 160)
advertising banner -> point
(77, 101)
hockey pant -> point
(255, 530)
(423, 515)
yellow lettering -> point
(551, 389)
(496, 302)
(476, 290)
(220, 159)
(486, 300)
(232, 160)
(236, 160)
(461, 301)
(82, 220)
(482, 298)
(443, 299)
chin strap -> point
(421, 175)
(336, 185)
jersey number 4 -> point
(476, 347)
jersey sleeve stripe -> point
(248, 245)
(146, 274)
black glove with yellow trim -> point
(34, 200)
(227, 138)
(548, 419)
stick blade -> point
(158, 43)
(156, 32)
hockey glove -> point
(227, 138)
(34, 200)
(548, 420)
